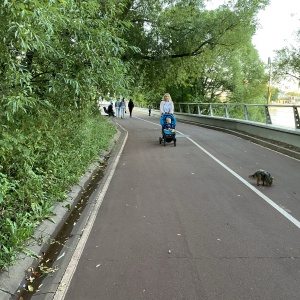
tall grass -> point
(41, 157)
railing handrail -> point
(266, 107)
(185, 108)
(241, 104)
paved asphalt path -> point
(186, 222)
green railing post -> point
(211, 110)
(199, 109)
(246, 113)
(296, 117)
(226, 111)
(268, 117)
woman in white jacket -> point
(166, 105)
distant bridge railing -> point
(283, 115)
(278, 122)
(277, 114)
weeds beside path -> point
(39, 163)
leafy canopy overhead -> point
(182, 41)
(60, 52)
(64, 52)
(286, 64)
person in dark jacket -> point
(149, 109)
(130, 107)
(109, 110)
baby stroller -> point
(168, 123)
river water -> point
(282, 116)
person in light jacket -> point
(117, 107)
(122, 108)
(166, 105)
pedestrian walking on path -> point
(149, 109)
(130, 107)
(166, 107)
(117, 107)
(166, 104)
(123, 108)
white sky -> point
(278, 23)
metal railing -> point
(273, 122)
(284, 115)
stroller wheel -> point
(160, 139)
(164, 142)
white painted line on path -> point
(250, 186)
(66, 280)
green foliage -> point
(194, 53)
(286, 65)
(56, 56)
(38, 167)
(293, 94)
(61, 52)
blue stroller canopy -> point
(164, 117)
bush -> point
(38, 168)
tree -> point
(181, 43)
(54, 57)
(286, 65)
(59, 52)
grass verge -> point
(40, 159)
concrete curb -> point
(12, 279)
